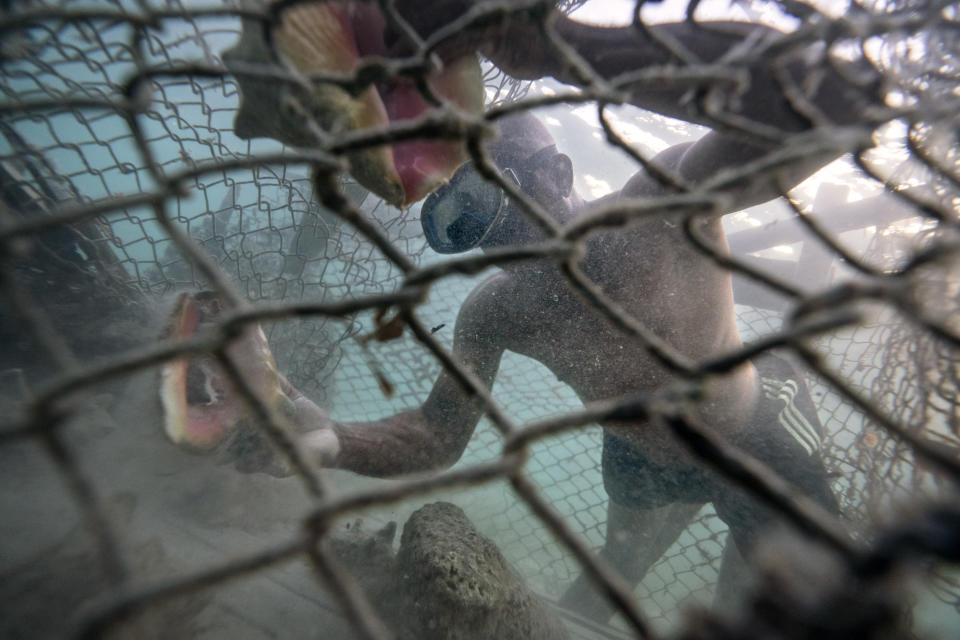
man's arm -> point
(432, 436)
(517, 43)
(699, 162)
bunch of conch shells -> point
(332, 38)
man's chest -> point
(584, 349)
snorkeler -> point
(649, 268)
(655, 485)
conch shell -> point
(201, 406)
(334, 37)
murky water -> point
(173, 514)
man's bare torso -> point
(653, 273)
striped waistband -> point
(790, 417)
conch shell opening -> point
(335, 37)
(201, 406)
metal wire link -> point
(123, 183)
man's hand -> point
(322, 445)
(316, 435)
(250, 452)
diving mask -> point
(460, 214)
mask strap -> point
(504, 201)
(539, 156)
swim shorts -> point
(784, 433)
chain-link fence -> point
(124, 183)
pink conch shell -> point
(201, 407)
(334, 37)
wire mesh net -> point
(124, 183)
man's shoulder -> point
(495, 308)
(483, 321)
(494, 295)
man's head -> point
(470, 211)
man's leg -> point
(734, 580)
(636, 539)
(749, 521)
(785, 434)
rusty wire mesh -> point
(123, 182)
